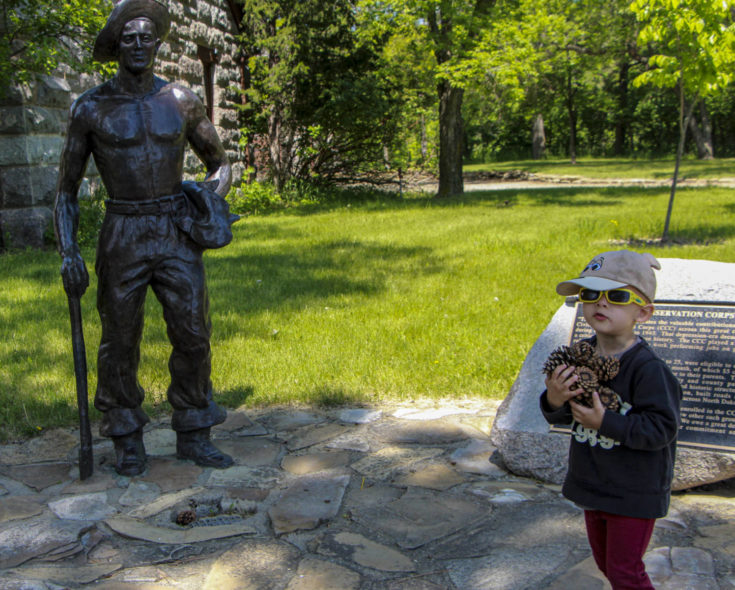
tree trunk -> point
(572, 135)
(280, 144)
(702, 135)
(424, 142)
(274, 151)
(684, 119)
(450, 140)
(571, 110)
(539, 138)
(621, 119)
(679, 151)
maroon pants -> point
(618, 544)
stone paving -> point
(403, 497)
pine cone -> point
(586, 379)
(186, 517)
(583, 352)
(606, 367)
(609, 398)
(584, 398)
(560, 356)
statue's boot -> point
(129, 453)
(196, 446)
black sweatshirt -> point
(627, 466)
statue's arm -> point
(206, 144)
(74, 158)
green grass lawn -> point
(384, 299)
(658, 169)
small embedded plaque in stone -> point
(697, 341)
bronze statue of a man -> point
(137, 127)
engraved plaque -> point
(697, 341)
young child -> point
(620, 463)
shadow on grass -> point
(695, 236)
(328, 396)
(500, 199)
(234, 398)
(704, 234)
(562, 195)
(288, 272)
(23, 415)
(577, 197)
(293, 277)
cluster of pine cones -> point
(591, 370)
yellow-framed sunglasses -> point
(614, 296)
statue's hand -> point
(74, 275)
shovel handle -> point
(86, 460)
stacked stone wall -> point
(32, 123)
(33, 118)
(206, 23)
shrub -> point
(253, 198)
(91, 215)
(261, 197)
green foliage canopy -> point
(692, 43)
(405, 64)
(37, 36)
(316, 98)
(692, 48)
(566, 61)
(449, 30)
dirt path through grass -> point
(514, 180)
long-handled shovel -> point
(86, 461)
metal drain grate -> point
(217, 520)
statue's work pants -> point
(136, 251)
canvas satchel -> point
(206, 219)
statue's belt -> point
(199, 212)
(160, 206)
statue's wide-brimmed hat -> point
(106, 44)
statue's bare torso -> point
(138, 142)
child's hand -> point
(561, 386)
(589, 417)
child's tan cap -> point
(612, 270)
